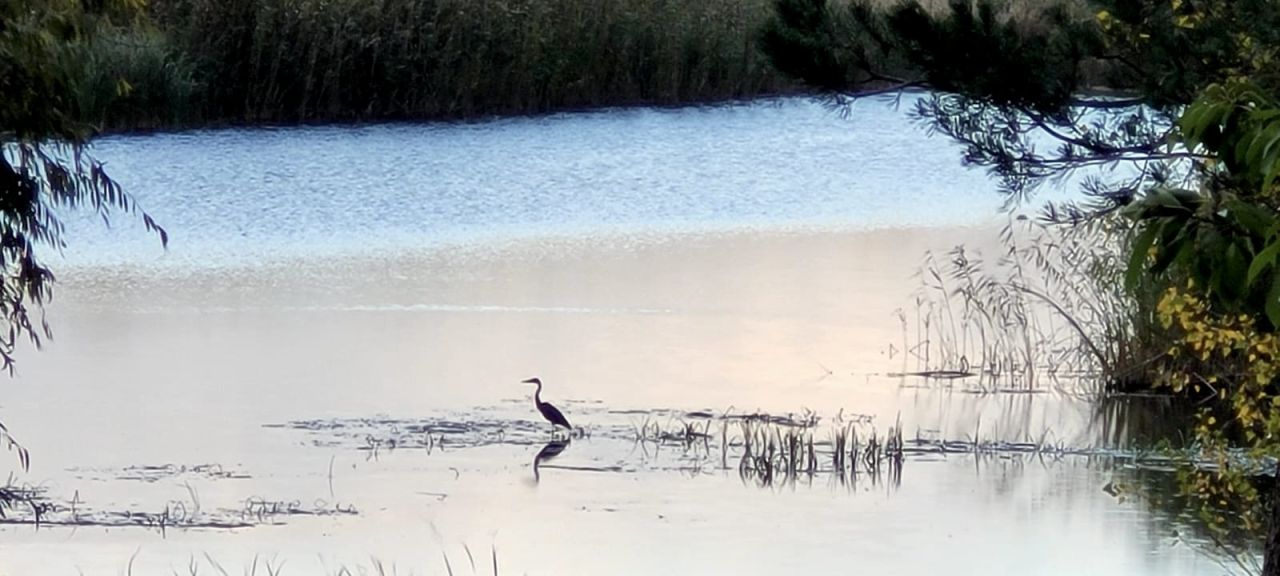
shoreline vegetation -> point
(205, 63)
(192, 64)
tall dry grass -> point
(1051, 309)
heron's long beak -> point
(529, 381)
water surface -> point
(237, 196)
(398, 281)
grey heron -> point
(551, 413)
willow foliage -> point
(45, 166)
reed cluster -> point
(770, 450)
(778, 454)
(217, 62)
(131, 77)
(268, 61)
(1050, 310)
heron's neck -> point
(537, 394)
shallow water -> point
(332, 290)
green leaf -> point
(1138, 257)
(1265, 259)
(1174, 236)
(1270, 179)
(1232, 272)
(1255, 219)
(1271, 138)
(1242, 148)
(1165, 197)
(1262, 143)
(1273, 301)
(1191, 123)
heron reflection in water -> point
(551, 413)
(551, 450)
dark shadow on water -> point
(551, 450)
(1140, 421)
(1154, 430)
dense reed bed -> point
(216, 62)
(268, 61)
(774, 450)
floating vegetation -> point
(153, 473)
(21, 500)
(271, 511)
(762, 449)
(35, 506)
(171, 516)
(768, 449)
(27, 505)
(376, 435)
(684, 433)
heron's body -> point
(551, 413)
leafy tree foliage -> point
(1183, 97)
(45, 166)
(1038, 94)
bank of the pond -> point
(203, 62)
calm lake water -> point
(235, 196)
(324, 368)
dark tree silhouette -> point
(45, 164)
